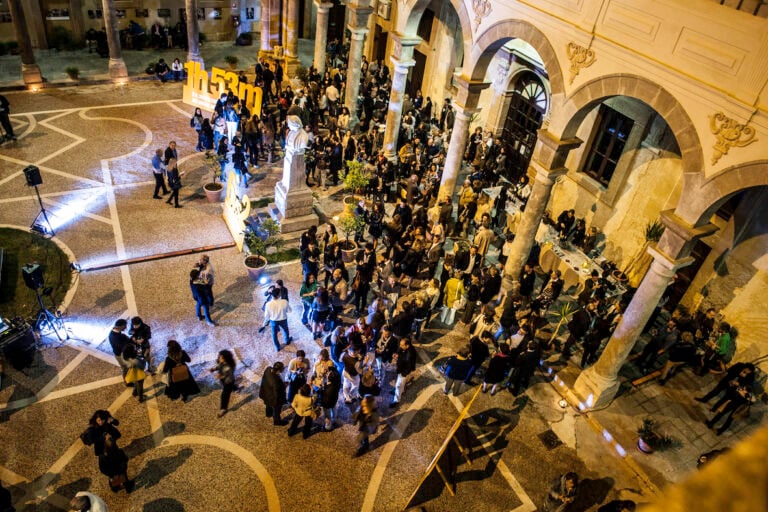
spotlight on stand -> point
(75, 267)
(263, 280)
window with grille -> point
(607, 144)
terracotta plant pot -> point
(254, 265)
(213, 192)
(350, 202)
(348, 250)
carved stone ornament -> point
(730, 133)
(482, 8)
(580, 57)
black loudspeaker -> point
(33, 276)
(32, 174)
(19, 348)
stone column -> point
(549, 163)
(359, 12)
(402, 61)
(321, 35)
(193, 33)
(465, 106)
(76, 19)
(291, 37)
(597, 385)
(30, 71)
(265, 46)
(117, 69)
(34, 23)
(499, 105)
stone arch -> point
(498, 34)
(586, 97)
(518, 75)
(702, 197)
(410, 11)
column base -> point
(117, 69)
(196, 58)
(31, 75)
(594, 390)
(269, 53)
(291, 64)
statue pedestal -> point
(295, 205)
(292, 196)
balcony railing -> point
(753, 7)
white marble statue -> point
(295, 144)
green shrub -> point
(13, 47)
(63, 39)
(72, 72)
(3, 48)
(201, 38)
(231, 60)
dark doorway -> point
(416, 76)
(302, 30)
(686, 274)
(526, 111)
(380, 44)
(336, 21)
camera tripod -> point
(44, 228)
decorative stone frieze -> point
(481, 8)
(729, 133)
(580, 58)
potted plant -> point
(232, 61)
(349, 223)
(355, 181)
(565, 311)
(245, 39)
(649, 439)
(638, 266)
(212, 189)
(73, 72)
(260, 241)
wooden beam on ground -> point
(161, 256)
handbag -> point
(180, 373)
(460, 301)
(134, 375)
(117, 481)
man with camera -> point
(276, 316)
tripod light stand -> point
(41, 224)
(47, 321)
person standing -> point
(113, 463)
(367, 417)
(203, 296)
(174, 182)
(456, 370)
(118, 341)
(225, 367)
(303, 409)
(135, 374)
(158, 170)
(272, 392)
(5, 112)
(307, 293)
(353, 365)
(276, 316)
(562, 493)
(100, 425)
(329, 396)
(171, 153)
(278, 75)
(83, 502)
(405, 364)
(180, 381)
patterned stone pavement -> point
(93, 146)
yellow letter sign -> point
(202, 91)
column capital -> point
(679, 234)
(357, 34)
(664, 264)
(323, 7)
(359, 11)
(468, 91)
(551, 151)
(402, 65)
(545, 175)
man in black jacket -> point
(405, 362)
(527, 282)
(272, 391)
(5, 112)
(170, 152)
(366, 263)
(118, 341)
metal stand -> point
(43, 228)
(48, 321)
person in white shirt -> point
(85, 501)
(276, 316)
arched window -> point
(526, 111)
